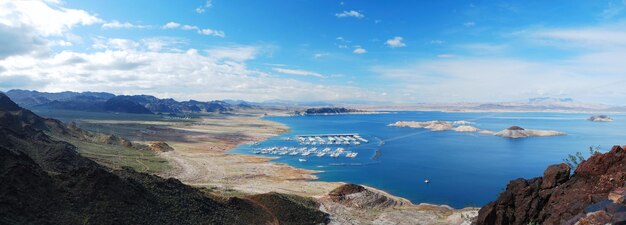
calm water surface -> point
(465, 169)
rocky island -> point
(600, 118)
(519, 132)
(436, 125)
(327, 111)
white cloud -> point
(26, 25)
(298, 72)
(47, 19)
(171, 25)
(189, 27)
(118, 24)
(201, 9)
(221, 73)
(359, 50)
(209, 32)
(395, 42)
(350, 13)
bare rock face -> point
(590, 195)
(160, 146)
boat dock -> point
(331, 139)
(287, 151)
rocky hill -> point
(594, 194)
(45, 181)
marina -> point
(324, 141)
(287, 151)
(331, 139)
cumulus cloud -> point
(298, 72)
(350, 13)
(27, 25)
(171, 25)
(395, 42)
(359, 51)
(47, 19)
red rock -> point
(555, 199)
(555, 175)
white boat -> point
(321, 154)
(306, 154)
(302, 160)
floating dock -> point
(331, 139)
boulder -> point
(555, 175)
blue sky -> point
(378, 51)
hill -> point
(45, 181)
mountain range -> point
(107, 102)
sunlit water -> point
(464, 169)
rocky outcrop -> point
(600, 118)
(160, 146)
(590, 195)
(357, 196)
(356, 204)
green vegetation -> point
(116, 156)
(573, 160)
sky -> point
(319, 50)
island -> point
(437, 125)
(327, 111)
(519, 132)
(600, 118)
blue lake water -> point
(465, 169)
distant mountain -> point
(107, 102)
(119, 104)
(46, 181)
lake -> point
(464, 169)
